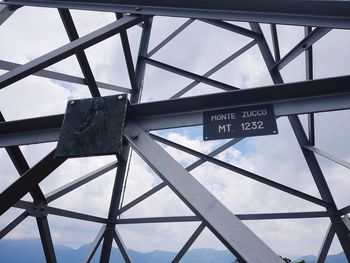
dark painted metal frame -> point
(289, 100)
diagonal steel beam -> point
(215, 68)
(81, 56)
(189, 243)
(19, 219)
(5, 65)
(225, 225)
(170, 37)
(57, 193)
(188, 168)
(68, 50)
(94, 245)
(304, 44)
(233, 28)
(122, 248)
(28, 181)
(326, 244)
(190, 75)
(6, 11)
(328, 156)
(243, 172)
(128, 57)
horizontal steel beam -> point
(287, 99)
(304, 12)
(68, 50)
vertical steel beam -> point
(46, 240)
(128, 57)
(141, 64)
(326, 244)
(81, 56)
(316, 172)
(275, 43)
(239, 239)
(189, 243)
(114, 207)
(309, 73)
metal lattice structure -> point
(306, 97)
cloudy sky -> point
(32, 32)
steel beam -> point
(57, 193)
(35, 210)
(122, 248)
(28, 181)
(184, 73)
(46, 240)
(215, 68)
(94, 245)
(170, 37)
(188, 168)
(114, 206)
(5, 65)
(6, 11)
(245, 173)
(304, 44)
(326, 244)
(189, 243)
(275, 42)
(294, 98)
(316, 172)
(128, 57)
(233, 28)
(140, 63)
(328, 156)
(68, 50)
(345, 210)
(321, 13)
(19, 219)
(81, 56)
(225, 225)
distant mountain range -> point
(30, 251)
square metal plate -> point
(92, 127)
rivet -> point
(71, 102)
(138, 8)
(120, 97)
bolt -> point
(120, 97)
(71, 102)
(135, 135)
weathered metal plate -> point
(92, 127)
(239, 122)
